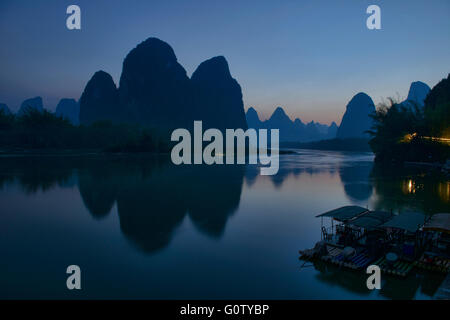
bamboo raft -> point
(343, 249)
(335, 256)
(398, 268)
(440, 265)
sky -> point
(308, 56)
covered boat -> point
(437, 255)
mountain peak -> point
(251, 112)
(214, 68)
(99, 100)
(218, 96)
(157, 47)
(69, 109)
(102, 76)
(298, 121)
(356, 120)
(252, 117)
(33, 103)
(4, 108)
(279, 114)
(418, 91)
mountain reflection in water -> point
(245, 226)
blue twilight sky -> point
(309, 56)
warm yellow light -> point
(410, 186)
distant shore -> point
(354, 144)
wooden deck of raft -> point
(439, 265)
(360, 261)
(398, 268)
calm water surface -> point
(140, 227)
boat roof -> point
(344, 213)
(409, 221)
(438, 222)
(371, 219)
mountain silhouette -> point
(154, 88)
(69, 109)
(4, 108)
(356, 120)
(217, 96)
(33, 103)
(418, 91)
(291, 131)
(253, 120)
(288, 130)
(332, 130)
(155, 91)
(100, 100)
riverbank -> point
(356, 144)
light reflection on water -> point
(140, 227)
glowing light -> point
(444, 191)
(408, 137)
(409, 187)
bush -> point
(44, 130)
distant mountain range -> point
(291, 130)
(155, 91)
(355, 122)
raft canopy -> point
(344, 213)
(371, 220)
(438, 222)
(409, 221)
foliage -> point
(437, 109)
(36, 129)
(6, 120)
(408, 133)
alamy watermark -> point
(234, 148)
(74, 280)
(374, 280)
(73, 21)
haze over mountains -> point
(291, 130)
(355, 122)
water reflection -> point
(152, 203)
(356, 181)
(391, 288)
(411, 188)
(93, 202)
(152, 195)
